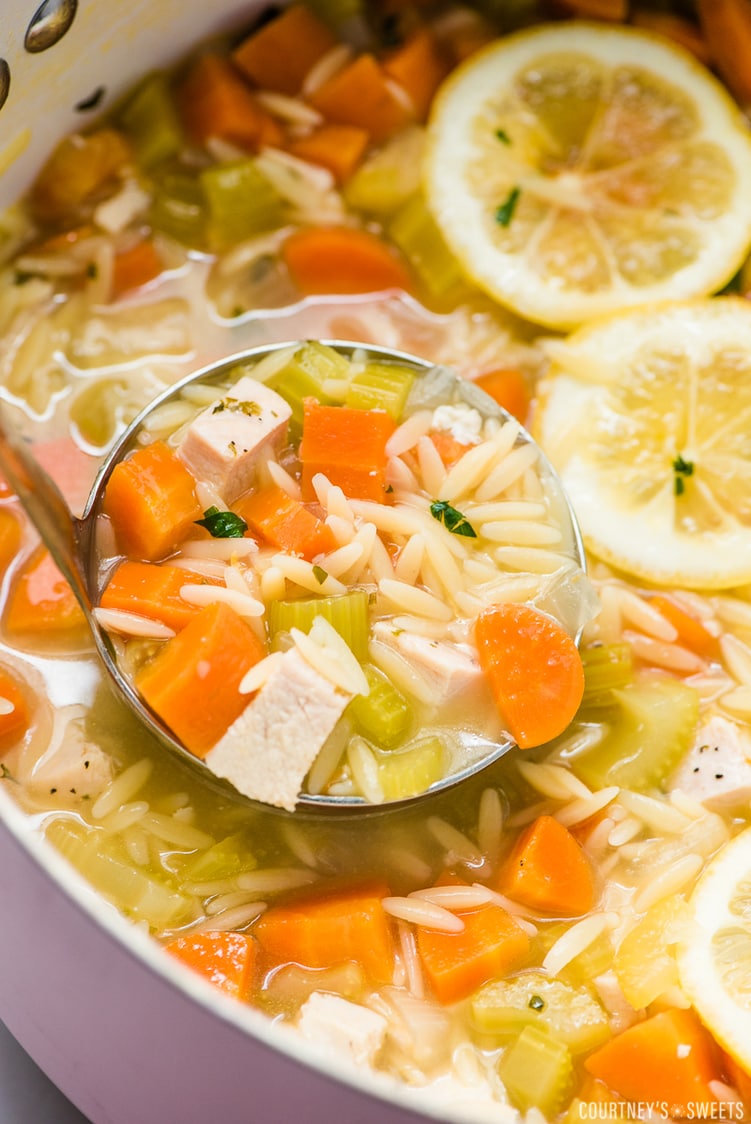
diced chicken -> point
(449, 670)
(225, 442)
(716, 771)
(349, 1028)
(268, 750)
(74, 768)
(463, 422)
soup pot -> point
(120, 1031)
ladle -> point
(72, 541)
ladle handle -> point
(58, 528)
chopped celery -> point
(384, 714)
(348, 614)
(572, 1015)
(306, 373)
(381, 386)
(226, 858)
(409, 771)
(389, 176)
(151, 122)
(137, 892)
(606, 667)
(651, 726)
(644, 963)
(416, 234)
(241, 202)
(537, 1072)
(178, 209)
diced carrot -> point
(10, 537)
(324, 930)
(76, 170)
(534, 670)
(548, 871)
(726, 25)
(135, 266)
(670, 1058)
(193, 681)
(419, 66)
(508, 387)
(151, 500)
(285, 522)
(14, 710)
(360, 94)
(447, 446)
(280, 54)
(691, 632)
(348, 446)
(336, 147)
(739, 1078)
(214, 101)
(342, 260)
(41, 600)
(680, 30)
(491, 944)
(225, 959)
(153, 591)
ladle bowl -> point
(72, 542)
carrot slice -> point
(508, 387)
(342, 260)
(10, 537)
(669, 1058)
(76, 170)
(336, 147)
(14, 710)
(691, 632)
(360, 94)
(285, 522)
(226, 960)
(214, 101)
(548, 871)
(726, 25)
(135, 267)
(280, 54)
(534, 671)
(419, 66)
(152, 591)
(151, 500)
(347, 445)
(193, 681)
(448, 448)
(41, 599)
(491, 944)
(325, 930)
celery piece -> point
(381, 386)
(348, 614)
(226, 858)
(305, 374)
(537, 1072)
(409, 771)
(651, 726)
(389, 176)
(384, 714)
(178, 209)
(417, 235)
(606, 666)
(241, 202)
(150, 119)
(572, 1015)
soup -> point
(526, 940)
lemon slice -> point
(575, 169)
(647, 417)
(715, 963)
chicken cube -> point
(716, 771)
(346, 1027)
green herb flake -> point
(682, 469)
(250, 409)
(5, 773)
(223, 524)
(320, 574)
(92, 271)
(537, 1003)
(505, 213)
(502, 136)
(452, 519)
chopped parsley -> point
(452, 519)
(503, 136)
(250, 409)
(505, 213)
(320, 574)
(5, 773)
(537, 1003)
(223, 524)
(682, 469)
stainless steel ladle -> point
(72, 541)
